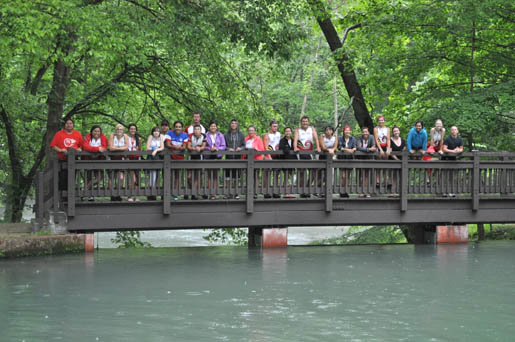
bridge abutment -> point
(268, 237)
(435, 234)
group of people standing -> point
(299, 143)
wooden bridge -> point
(276, 193)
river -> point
(352, 293)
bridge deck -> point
(407, 191)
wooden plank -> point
(250, 182)
(475, 185)
(329, 184)
(404, 182)
(55, 187)
(167, 182)
(71, 182)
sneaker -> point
(237, 197)
(305, 196)
(186, 197)
(276, 196)
(267, 196)
(452, 195)
(175, 198)
(344, 195)
(91, 199)
(289, 196)
(204, 196)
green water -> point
(360, 293)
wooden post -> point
(167, 178)
(404, 181)
(475, 182)
(480, 231)
(55, 185)
(250, 182)
(504, 177)
(71, 182)
(329, 184)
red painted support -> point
(89, 242)
(275, 237)
(452, 234)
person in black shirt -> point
(397, 144)
(286, 146)
(452, 144)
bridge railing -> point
(109, 177)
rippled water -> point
(358, 293)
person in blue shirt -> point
(177, 141)
(417, 138)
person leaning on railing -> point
(303, 140)
(117, 142)
(64, 139)
(286, 146)
(176, 141)
(155, 144)
(382, 140)
(134, 146)
(271, 142)
(347, 144)
(417, 139)
(235, 142)
(215, 142)
(366, 144)
(95, 142)
(452, 144)
(196, 144)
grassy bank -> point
(362, 235)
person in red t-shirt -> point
(95, 142)
(65, 139)
(62, 141)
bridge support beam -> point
(268, 237)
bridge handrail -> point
(405, 177)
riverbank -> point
(17, 240)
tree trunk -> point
(55, 102)
(19, 185)
(349, 77)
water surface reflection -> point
(372, 293)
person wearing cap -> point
(165, 127)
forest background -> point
(339, 62)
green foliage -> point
(130, 239)
(493, 232)
(366, 235)
(227, 236)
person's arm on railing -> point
(295, 140)
(315, 139)
(371, 144)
